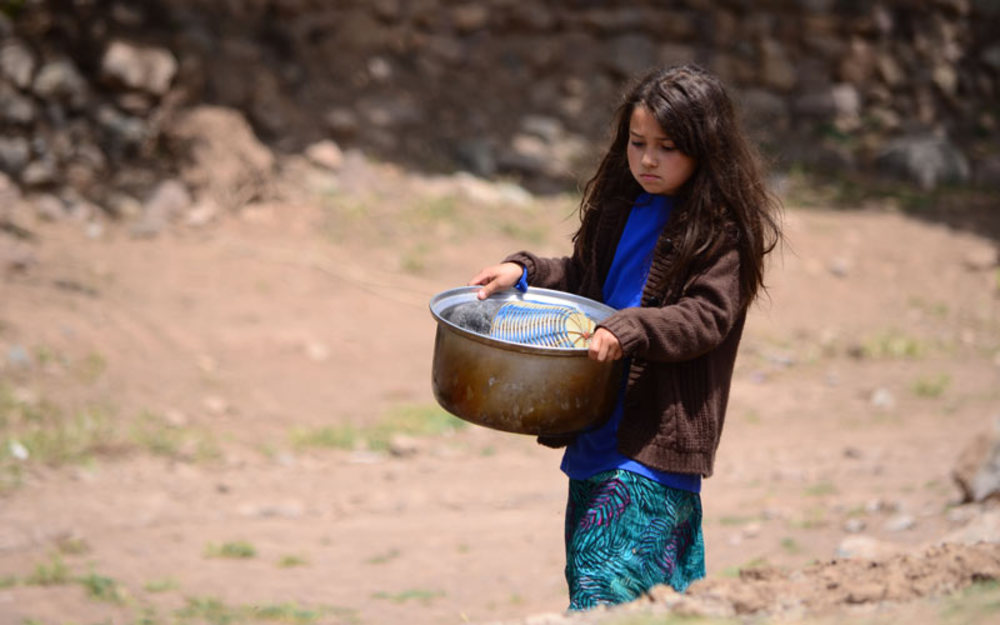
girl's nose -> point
(649, 158)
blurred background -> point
(92, 89)
(221, 222)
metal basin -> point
(520, 388)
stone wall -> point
(498, 87)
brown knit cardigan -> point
(682, 342)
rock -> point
(855, 526)
(477, 155)
(865, 547)
(165, 204)
(18, 357)
(404, 446)
(202, 213)
(15, 152)
(142, 68)
(977, 471)
(220, 156)
(549, 129)
(61, 81)
(49, 208)
(326, 154)
(343, 122)
(900, 523)
(846, 101)
(983, 528)
(987, 172)
(126, 132)
(776, 69)
(17, 63)
(981, 258)
(15, 255)
(991, 56)
(39, 173)
(883, 399)
(470, 17)
(631, 54)
(15, 108)
(764, 107)
(925, 160)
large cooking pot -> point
(520, 388)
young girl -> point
(675, 225)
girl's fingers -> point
(605, 346)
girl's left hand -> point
(605, 346)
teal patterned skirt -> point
(625, 534)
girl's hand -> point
(605, 346)
(497, 278)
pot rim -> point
(452, 297)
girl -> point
(675, 225)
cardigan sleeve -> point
(562, 274)
(708, 307)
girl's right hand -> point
(497, 278)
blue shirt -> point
(596, 450)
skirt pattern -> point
(625, 534)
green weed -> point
(976, 605)
(34, 430)
(152, 432)
(239, 549)
(756, 563)
(216, 612)
(413, 594)
(161, 585)
(285, 613)
(53, 573)
(790, 545)
(335, 437)
(931, 386)
(92, 367)
(812, 519)
(412, 420)
(290, 561)
(8, 581)
(892, 345)
(208, 609)
(72, 546)
(409, 420)
(414, 261)
(820, 489)
(103, 588)
(382, 558)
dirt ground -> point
(196, 379)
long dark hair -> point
(726, 190)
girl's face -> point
(656, 164)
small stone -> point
(18, 357)
(855, 525)
(840, 267)
(216, 405)
(142, 68)
(883, 399)
(900, 523)
(17, 450)
(325, 154)
(17, 64)
(981, 258)
(404, 446)
(865, 547)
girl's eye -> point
(637, 144)
(668, 148)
